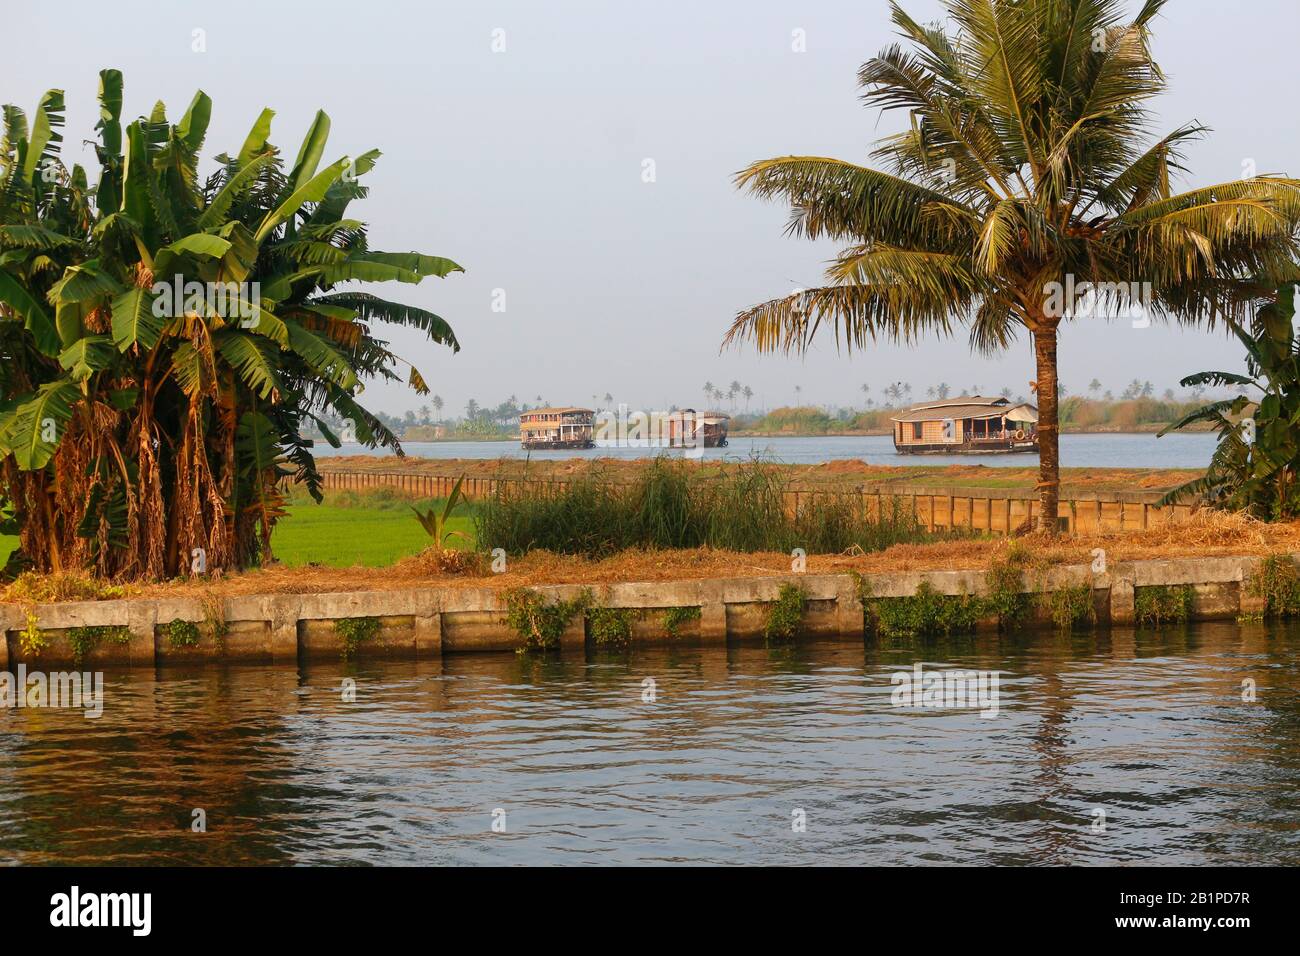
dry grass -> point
(31, 587)
(1206, 534)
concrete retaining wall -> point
(429, 622)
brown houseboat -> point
(542, 428)
(710, 427)
(969, 425)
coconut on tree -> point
(168, 338)
(1027, 169)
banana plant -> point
(435, 521)
(1255, 465)
(168, 337)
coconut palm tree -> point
(167, 340)
(1026, 171)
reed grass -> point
(749, 508)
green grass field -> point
(347, 530)
(340, 536)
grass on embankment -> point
(1207, 534)
(371, 530)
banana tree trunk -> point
(1049, 450)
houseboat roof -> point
(967, 406)
(705, 414)
(558, 410)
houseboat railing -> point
(993, 510)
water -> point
(1077, 451)
(1149, 727)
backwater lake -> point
(1192, 450)
(1146, 727)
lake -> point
(1148, 727)
(1077, 451)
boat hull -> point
(983, 448)
(573, 444)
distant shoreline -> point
(879, 432)
(869, 433)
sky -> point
(577, 159)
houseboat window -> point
(981, 428)
(916, 431)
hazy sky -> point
(526, 166)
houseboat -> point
(969, 425)
(710, 427)
(542, 428)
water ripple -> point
(1149, 729)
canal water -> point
(1077, 451)
(1108, 748)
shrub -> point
(675, 617)
(181, 633)
(1277, 581)
(355, 631)
(36, 588)
(1005, 581)
(31, 638)
(926, 613)
(785, 614)
(1163, 603)
(1070, 605)
(83, 640)
(539, 624)
(610, 626)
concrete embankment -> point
(427, 622)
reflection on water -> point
(1148, 726)
(1192, 450)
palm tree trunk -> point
(1049, 451)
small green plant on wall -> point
(676, 617)
(785, 615)
(181, 634)
(1276, 580)
(539, 624)
(926, 613)
(214, 620)
(31, 639)
(355, 631)
(83, 640)
(1069, 606)
(610, 626)
(1004, 597)
(1158, 604)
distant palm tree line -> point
(893, 395)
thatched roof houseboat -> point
(969, 424)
